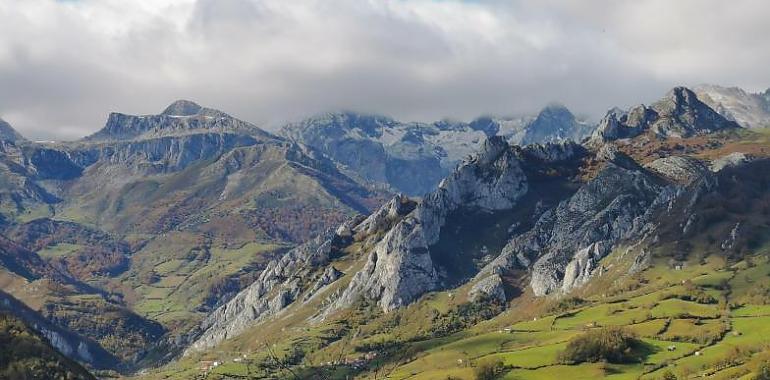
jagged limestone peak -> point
(678, 114)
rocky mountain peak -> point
(555, 123)
(678, 114)
(556, 111)
(182, 108)
(681, 95)
(7, 133)
(682, 114)
(678, 102)
(183, 117)
(491, 150)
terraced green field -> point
(720, 336)
(168, 290)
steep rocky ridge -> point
(509, 220)
(403, 262)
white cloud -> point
(65, 65)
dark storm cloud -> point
(65, 65)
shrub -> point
(565, 304)
(611, 344)
(489, 370)
(668, 375)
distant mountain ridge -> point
(413, 157)
(180, 117)
(748, 109)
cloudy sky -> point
(64, 65)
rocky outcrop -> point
(385, 216)
(279, 285)
(491, 288)
(729, 160)
(681, 169)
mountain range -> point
(358, 245)
(412, 158)
(157, 219)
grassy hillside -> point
(175, 279)
(73, 305)
(708, 317)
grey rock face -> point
(490, 287)
(682, 169)
(168, 153)
(396, 272)
(410, 157)
(385, 216)
(330, 275)
(567, 242)
(400, 268)
(275, 288)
